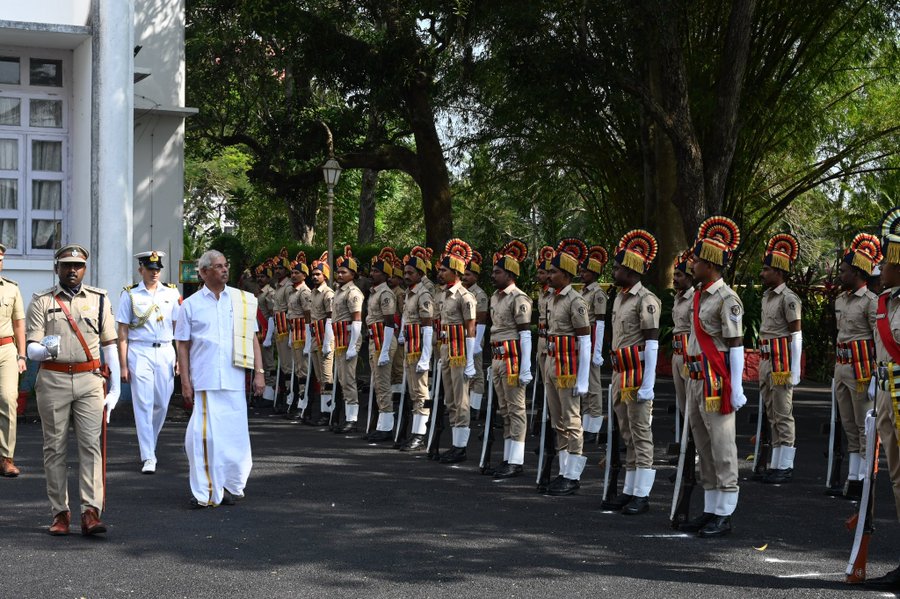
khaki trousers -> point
(852, 406)
(634, 426)
(301, 365)
(476, 385)
(884, 419)
(541, 354)
(510, 403)
(285, 353)
(565, 412)
(456, 390)
(681, 381)
(778, 400)
(417, 387)
(714, 438)
(80, 396)
(323, 367)
(381, 377)
(268, 360)
(9, 395)
(397, 363)
(346, 376)
(592, 403)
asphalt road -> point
(328, 515)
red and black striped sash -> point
(564, 350)
(454, 337)
(341, 334)
(508, 351)
(376, 333)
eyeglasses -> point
(219, 266)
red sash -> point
(884, 329)
(713, 355)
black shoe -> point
(590, 438)
(637, 505)
(888, 582)
(415, 443)
(322, 421)
(779, 476)
(347, 427)
(719, 526)
(616, 503)
(545, 487)
(378, 436)
(854, 490)
(697, 524)
(508, 470)
(760, 476)
(567, 486)
(835, 490)
(196, 505)
(454, 456)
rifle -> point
(686, 477)
(437, 415)
(762, 451)
(613, 459)
(488, 443)
(400, 408)
(835, 447)
(863, 522)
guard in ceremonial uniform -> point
(596, 299)
(682, 315)
(382, 307)
(146, 317)
(347, 325)
(854, 311)
(634, 350)
(266, 304)
(780, 347)
(510, 354)
(416, 337)
(567, 364)
(282, 295)
(715, 359)
(298, 307)
(67, 327)
(320, 344)
(545, 294)
(457, 334)
(395, 282)
(470, 282)
(12, 364)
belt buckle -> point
(70, 368)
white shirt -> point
(208, 324)
(158, 328)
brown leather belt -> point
(6, 340)
(71, 367)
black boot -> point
(563, 486)
(508, 470)
(719, 526)
(616, 503)
(415, 443)
(888, 582)
(697, 523)
(637, 505)
(293, 413)
(854, 490)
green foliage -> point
(234, 253)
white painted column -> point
(112, 188)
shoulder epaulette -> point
(96, 290)
(48, 291)
(129, 287)
(10, 281)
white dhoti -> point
(217, 443)
(152, 378)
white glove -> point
(597, 358)
(352, 350)
(385, 357)
(424, 362)
(870, 392)
(651, 352)
(525, 375)
(307, 347)
(270, 331)
(736, 357)
(401, 339)
(37, 352)
(469, 372)
(329, 338)
(584, 366)
(479, 339)
(796, 351)
(111, 358)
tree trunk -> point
(302, 205)
(366, 231)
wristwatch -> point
(21, 358)
(260, 370)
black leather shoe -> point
(760, 476)
(779, 476)
(322, 421)
(347, 427)
(616, 503)
(508, 470)
(888, 582)
(378, 436)
(544, 487)
(567, 486)
(697, 523)
(637, 505)
(454, 456)
(835, 491)
(415, 443)
(854, 490)
(590, 438)
(719, 526)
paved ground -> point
(328, 515)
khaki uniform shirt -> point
(854, 312)
(11, 306)
(320, 302)
(544, 297)
(457, 305)
(481, 298)
(347, 300)
(893, 316)
(634, 311)
(299, 301)
(567, 312)
(418, 304)
(780, 306)
(45, 317)
(266, 301)
(382, 305)
(683, 312)
(399, 296)
(282, 295)
(509, 308)
(596, 300)
(721, 315)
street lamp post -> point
(332, 171)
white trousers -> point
(217, 443)
(152, 378)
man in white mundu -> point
(216, 343)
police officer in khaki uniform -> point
(596, 300)
(12, 364)
(266, 305)
(69, 383)
(545, 293)
(511, 354)
(320, 344)
(298, 306)
(416, 337)
(682, 310)
(780, 347)
(715, 359)
(470, 282)
(395, 282)
(347, 325)
(281, 297)
(382, 307)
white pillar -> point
(112, 189)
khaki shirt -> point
(457, 305)
(399, 296)
(893, 316)
(780, 306)
(299, 301)
(683, 312)
(543, 302)
(482, 303)
(418, 304)
(382, 305)
(45, 317)
(635, 310)
(11, 306)
(721, 316)
(347, 300)
(266, 301)
(320, 302)
(567, 311)
(509, 308)
(596, 300)
(282, 295)
(854, 312)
